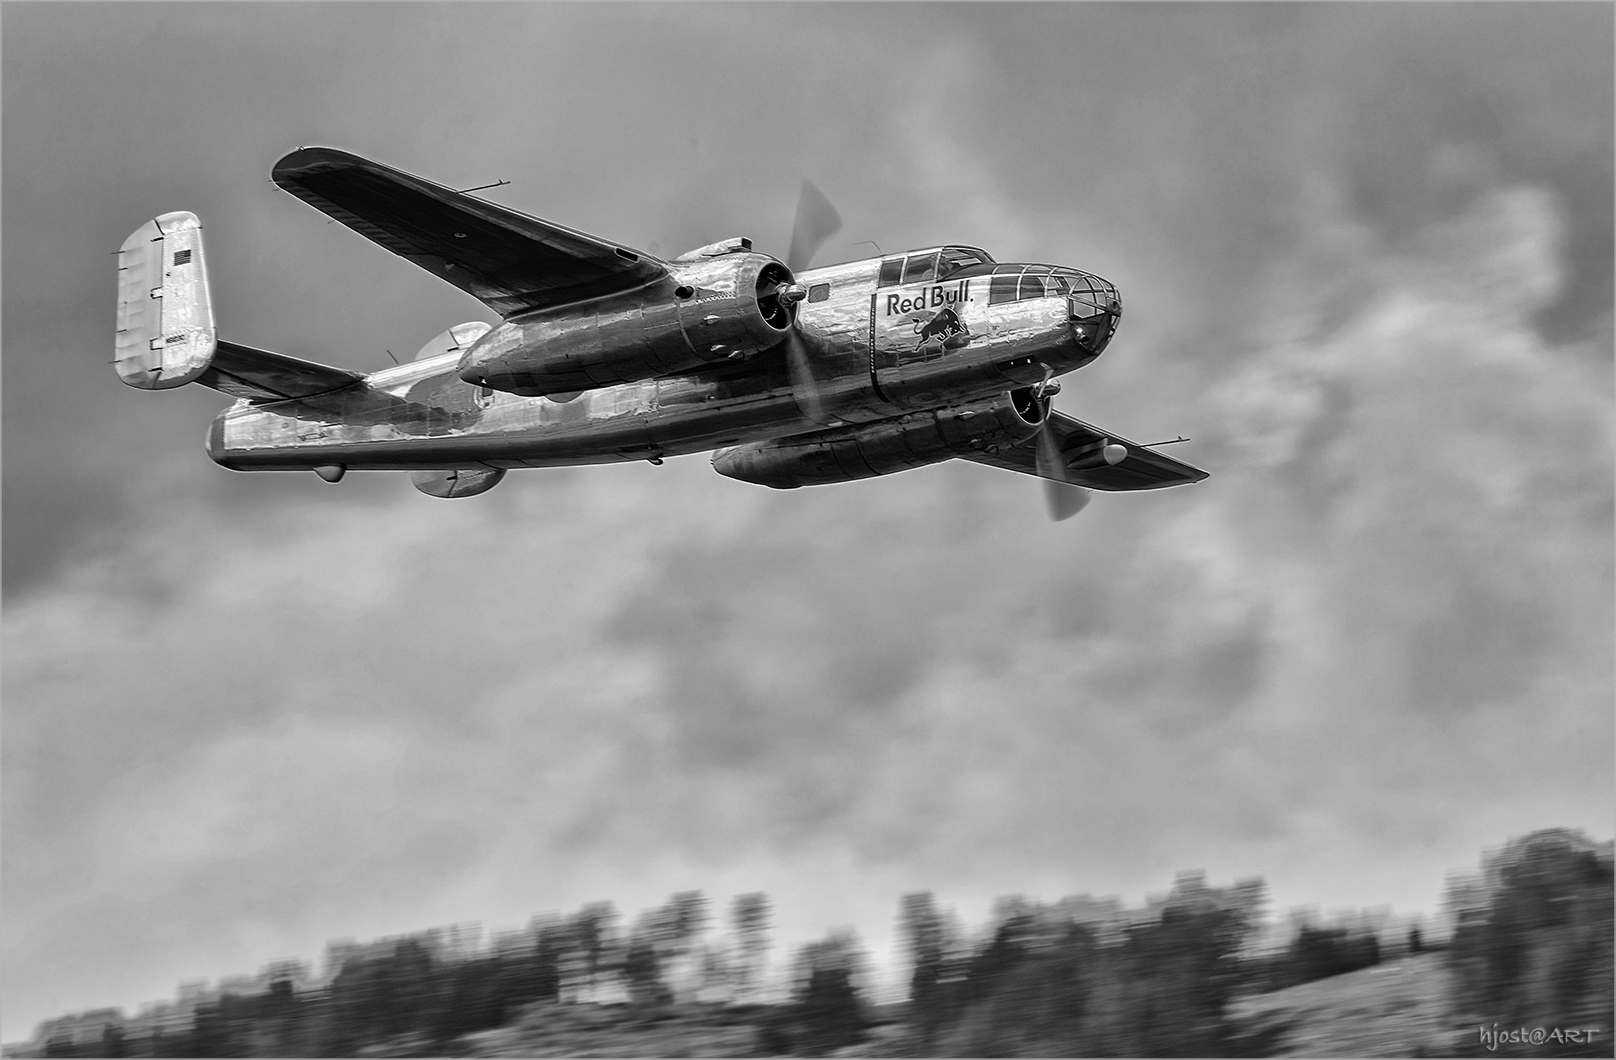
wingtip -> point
(307, 160)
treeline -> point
(1531, 943)
(416, 995)
(1047, 984)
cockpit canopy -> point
(931, 266)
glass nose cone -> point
(1095, 309)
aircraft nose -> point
(1095, 307)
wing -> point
(1141, 469)
(509, 261)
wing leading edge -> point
(1141, 469)
(509, 261)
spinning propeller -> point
(817, 220)
(1063, 497)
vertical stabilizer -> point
(165, 318)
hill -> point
(1399, 1008)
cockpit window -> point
(1012, 283)
(953, 259)
(1002, 288)
(891, 271)
(920, 268)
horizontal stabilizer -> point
(165, 319)
(260, 375)
(455, 340)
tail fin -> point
(166, 336)
(165, 318)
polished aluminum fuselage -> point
(870, 348)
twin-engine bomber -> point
(602, 353)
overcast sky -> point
(1366, 258)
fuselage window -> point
(920, 268)
(891, 271)
(1002, 288)
(819, 292)
(1032, 286)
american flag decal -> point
(182, 257)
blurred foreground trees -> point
(1532, 942)
(1048, 983)
(749, 921)
(1531, 945)
(828, 1009)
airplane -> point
(793, 376)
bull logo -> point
(944, 331)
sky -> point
(1365, 253)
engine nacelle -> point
(707, 309)
(880, 448)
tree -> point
(827, 1012)
(550, 941)
(1533, 943)
(688, 916)
(1320, 952)
(922, 929)
(749, 919)
(642, 971)
(590, 934)
(380, 996)
(1048, 983)
(683, 920)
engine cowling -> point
(707, 309)
(881, 448)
